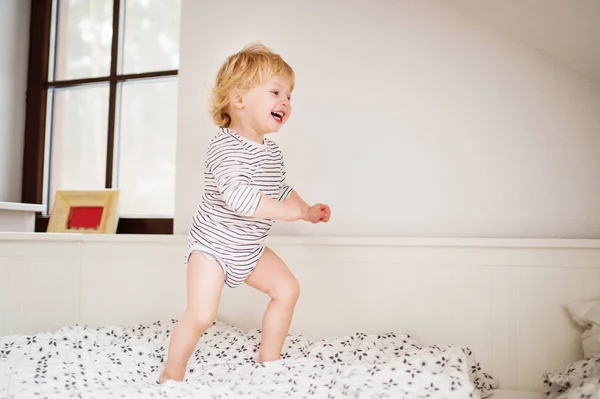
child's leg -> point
(273, 277)
(204, 285)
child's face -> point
(267, 107)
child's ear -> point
(237, 99)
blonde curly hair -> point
(250, 67)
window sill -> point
(125, 226)
(20, 207)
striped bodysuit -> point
(236, 172)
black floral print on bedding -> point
(114, 362)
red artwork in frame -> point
(85, 211)
(85, 217)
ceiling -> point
(566, 30)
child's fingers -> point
(315, 214)
(325, 213)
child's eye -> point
(275, 92)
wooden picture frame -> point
(85, 211)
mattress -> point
(84, 362)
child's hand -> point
(318, 213)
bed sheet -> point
(579, 380)
(111, 362)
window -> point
(102, 105)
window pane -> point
(151, 35)
(78, 139)
(146, 153)
(83, 39)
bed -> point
(89, 316)
(580, 379)
(84, 362)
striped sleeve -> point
(232, 177)
(286, 190)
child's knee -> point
(295, 290)
(199, 322)
(288, 292)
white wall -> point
(411, 119)
(567, 30)
(14, 47)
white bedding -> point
(126, 361)
(579, 380)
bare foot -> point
(268, 360)
(165, 376)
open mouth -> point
(278, 115)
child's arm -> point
(233, 180)
(232, 177)
(291, 209)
